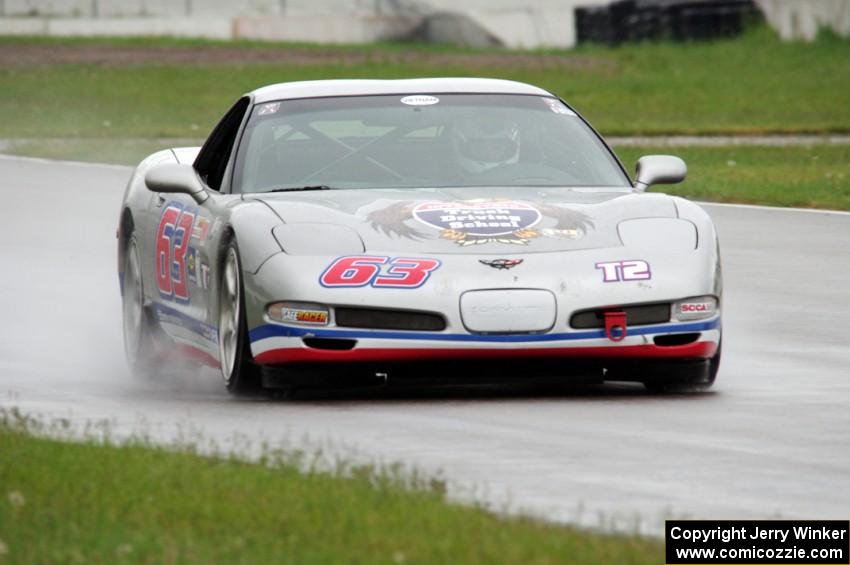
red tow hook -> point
(615, 325)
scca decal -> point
(172, 246)
(378, 271)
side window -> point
(212, 159)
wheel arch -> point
(126, 226)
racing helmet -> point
(482, 143)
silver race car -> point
(450, 230)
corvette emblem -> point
(501, 264)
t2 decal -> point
(172, 245)
(620, 271)
(378, 271)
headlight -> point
(318, 239)
(299, 313)
(697, 308)
(671, 234)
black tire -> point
(687, 378)
(241, 375)
(139, 328)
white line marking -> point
(773, 208)
(61, 162)
(791, 140)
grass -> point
(101, 503)
(752, 84)
(815, 176)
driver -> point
(480, 144)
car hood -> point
(467, 220)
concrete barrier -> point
(210, 28)
(325, 29)
(530, 28)
(511, 23)
(803, 19)
(520, 29)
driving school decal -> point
(475, 222)
(468, 222)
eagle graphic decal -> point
(475, 222)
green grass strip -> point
(94, 503)
(815, 176)
(751, 84)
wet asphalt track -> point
(772, 440)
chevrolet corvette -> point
(449, 230)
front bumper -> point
(277, 344)
(572, 278)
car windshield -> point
(435, 141)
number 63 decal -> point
(172, 244)
(378, 271)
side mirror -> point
(659, 169)
(176, 178)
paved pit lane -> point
(771, 440)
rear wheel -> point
(139, 328)
(240, 373)
(686, 378)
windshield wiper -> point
(300, 188)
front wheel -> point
(237, 367)
(695, 377)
